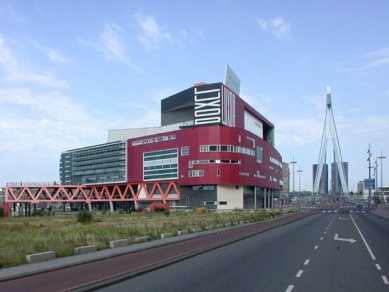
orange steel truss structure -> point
(116, 192)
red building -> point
(218, 148)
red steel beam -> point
(93, 193)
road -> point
(324, 252)
(312, 251)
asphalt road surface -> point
(324, 252)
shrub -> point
(199, 211)
(84, 216)
(1, 212)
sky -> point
(72, 70)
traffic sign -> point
(370, 184)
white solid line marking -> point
(316, 246)
(378, 267)
(306, 262)
(386, 282)
(290, 288)
(364, 240)
(299, 273)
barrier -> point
(40, 257)
(85, 249)
(118, 243)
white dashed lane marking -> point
(299, 273)
(290, 288)
(378, 267)
(386, 282)
(306, 262)
(316, 247)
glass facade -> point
(96, 164)
(161, 164)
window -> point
(196, 173)
(259, 154)
(161, 164)
(213, 148)
(185, 151)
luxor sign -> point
(207, 105)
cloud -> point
(39, 123)
(57, 57)
(132, 105)
(277, 26)
(372, 126)
(53, 55)
(162, 93)
(376, 59)
(8, 11)
(16, 72)
(295, 132)
(152, 34)
(111, 43)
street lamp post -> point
(369, 167)
(382, 166)
(293, 163)
(299, 171)
(375, 174)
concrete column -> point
(264, 199)
(90, 207)
(111, 206)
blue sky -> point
(72, 70)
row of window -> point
(212, 161)
(200, 173)
(227, 148)
(153, 140)
(275, 161)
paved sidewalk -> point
(382, 211)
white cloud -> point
(57, 57)
(54, 56)
(44, 122)
(152, 34)
(8, 11)
(162, 93)
(376, 59)
(16, 72)
(295, 132)
(277, 26)
(111, 43)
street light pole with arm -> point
(293, 163)
(299, 172)
(382, 166)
